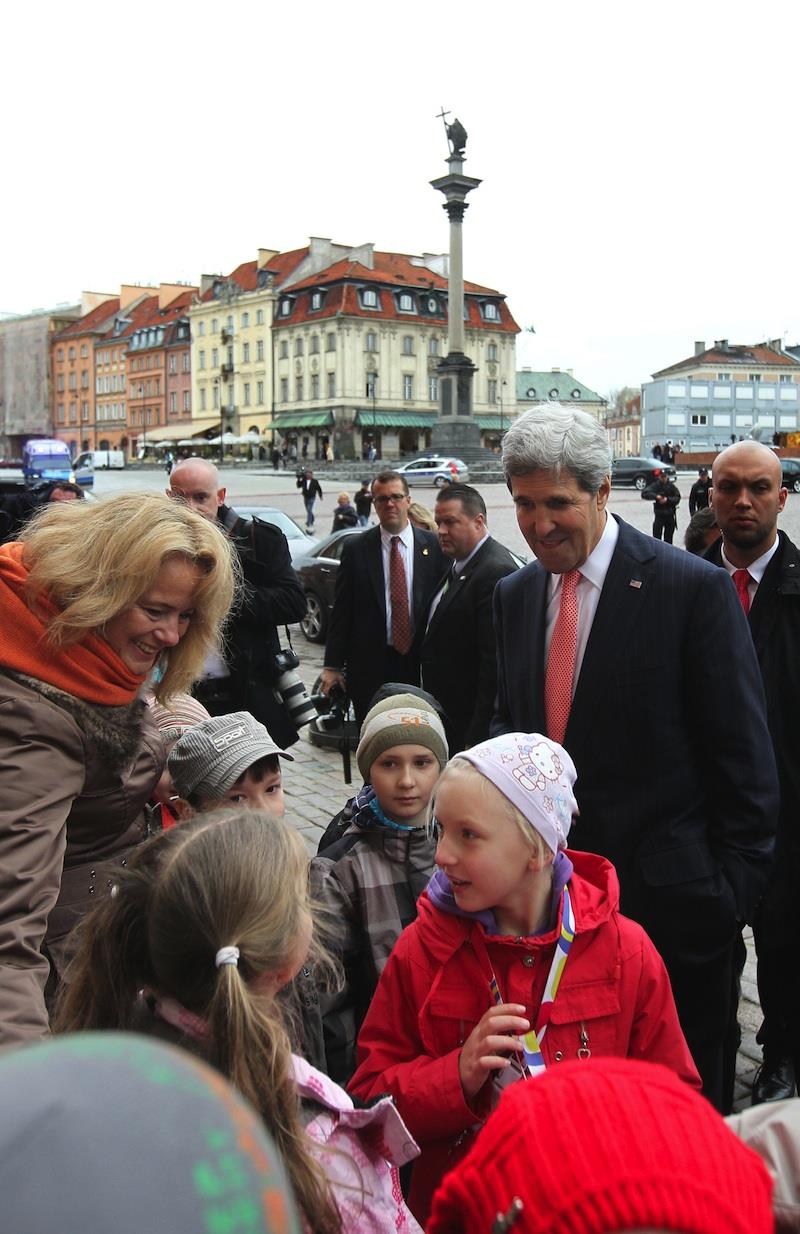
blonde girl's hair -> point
(421, 516)
(232, 879)
(94, 560)
(344, 495)
(461, 769)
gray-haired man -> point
(637, 657)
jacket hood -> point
(595, 896)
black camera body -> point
(285, 660)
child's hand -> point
(488, 1044)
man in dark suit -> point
(384, 585)
(459, 660)
(747, 496)
(637, 657)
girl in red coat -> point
(519, 958)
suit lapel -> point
(625, 590)
(375, 568)
(420, 584)
(534, 615)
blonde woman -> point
(95, 600)
(420, 516)
(209, 921)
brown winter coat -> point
(74, 778)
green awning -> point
(396, 419)
(302, 419)
(493, 424)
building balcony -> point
(226, 337)
(226, 371)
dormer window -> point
(576, 393)
(317, 298)
(405, 302)
(491, 312)
(369, 298)
(285, 308)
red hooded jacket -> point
(614, 999)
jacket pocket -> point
(585, 1022)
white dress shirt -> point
(590, 584)
(407, 554)
(755, 569)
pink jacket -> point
(614, 999)
(359, 1151)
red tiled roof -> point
(733, 354)
(149, 314)
(245, 276)
(93, 320)
(393, 269)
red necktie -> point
(398, 593)
(561, 659)
(742, 580)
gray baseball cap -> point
(209, 758)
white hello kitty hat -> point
(536, 775)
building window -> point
(203, 399)
(216, 398)
(260, 349)
(369, 298)
(313, 346)
(259, 392)
(85, 379)
(201, 328)
(490, 312)
(491, 391)
(371, 341)
(73, 413)
(71, 353)
(84, 351)
(214, 325)
(259, 317)
(433, 346)
(173, 402)
(187, 362)
(314, 385)
(284, 349)
(60, 381)
(316, 301)
(245, 353)
(433, 389)
(284, 389)
(408, 345)
(84, 411)
(201, 359)
(73, 381)
(785, 377)
(173, 364)
(330, 342)
(229, 323)
(491, 351)
(699, 418)
(187, 400)
(331, 385)
(406, 302)
(298, 390)
(408, 386)
(246, 394)
(245, 321)
(753, 377)
(298, 347)
(60, 354)
(60, 413)
(215, 357)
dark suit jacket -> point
(357, 632)
(459, 659)
(774, 621)
(676, 779)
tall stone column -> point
(455, 431)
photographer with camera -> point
(256, 674)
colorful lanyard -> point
(532, 1040)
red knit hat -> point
(590, 1148)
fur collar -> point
(115, 732)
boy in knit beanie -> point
(369, 879)
(616, 1145)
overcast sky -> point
(639, 167)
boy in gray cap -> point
(226, 761)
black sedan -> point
(317, 572)
(639, 471)
(791, 474)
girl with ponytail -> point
(206, 923)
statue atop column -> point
(457, 136)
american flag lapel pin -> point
(636, 583)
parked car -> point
(300, 544)
(433, 469)
(317, 573)
(639, 471)
(791, 474)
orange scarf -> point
(90, 669)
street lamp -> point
(503, 385)
(371, 383)
(144, 430)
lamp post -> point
(503, 385)
(144, 430)
(373, 378)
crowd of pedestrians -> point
(502, 996)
